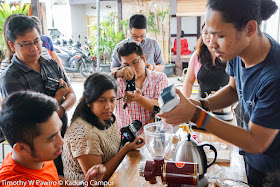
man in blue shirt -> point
(151, 48)
(254, 66)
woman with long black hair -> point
(93, 136)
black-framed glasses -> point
(135, 37)
(37, 43)
(134, 63)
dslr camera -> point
(130, 85)
(51, 86)
(130, 132)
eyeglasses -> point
(37, 43)
(134, 63)
(135, 37)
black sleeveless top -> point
(211, 78)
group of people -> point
(31, 108)
(232, 52)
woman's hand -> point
(95, 173)
(133, 145)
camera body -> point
(130, 85)
(130, 132)
(51, 86)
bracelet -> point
(200, 117)
(63, 109)
(115, 74)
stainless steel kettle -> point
(189, 150)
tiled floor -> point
(77, 82)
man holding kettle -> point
(253, 66)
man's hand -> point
(126, 73)
(181, 113)
(61, 91)
(132, 96)
(150, 66)
(95, 173)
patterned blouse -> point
(82, 138)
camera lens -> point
(137, 124)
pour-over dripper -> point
(158, 137)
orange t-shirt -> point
(14, 174)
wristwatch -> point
(204, 104)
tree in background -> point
(110, 36)
(5, 11)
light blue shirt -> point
(150, 48)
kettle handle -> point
(213, 149)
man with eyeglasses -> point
(30, 71)
(136, 104)
(151, 48)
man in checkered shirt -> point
(149, 84)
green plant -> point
(5, 11)
(157, 22)
(124, 26)
(151, 22)
(110, 36)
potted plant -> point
(110, 36)
(5, 11)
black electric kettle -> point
(189, 150)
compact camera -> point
(130, 85)
(130, 132)
(51, 86)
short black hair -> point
(20, 25)
(130, 47)
(20, 114)
(138, 21)
(240, 12)
(94, 86)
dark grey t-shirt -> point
(18, 76)
(150, 48)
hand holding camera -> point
(126, 73)
(61, 90)
(130, 132)
(132, 96)
(137, 143)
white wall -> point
(104, 11)
(62, 17)
(78, 20)
(79, 13)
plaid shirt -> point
(18, 76)
(153, 85)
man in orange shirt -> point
(32, 127)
